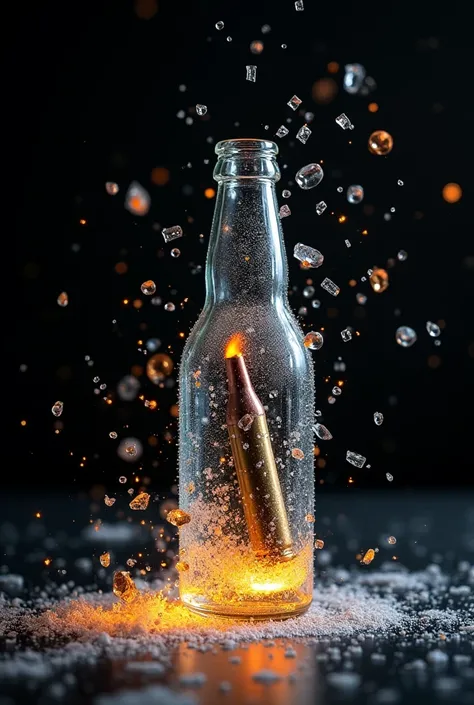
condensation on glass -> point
(246, 411)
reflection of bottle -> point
(246, 482)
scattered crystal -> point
(378, 418)
(433, 329)
(297, 453)
(368, 557)
(137, 199)
(402, 255)
(405, 336)
(339, 189)
(219, 25)
(201, 109)
(109, 501)
(308, 291)
(63, 299)
(105, 559)
(172, 233)
(303, 134)
(355, 459)
(319, 544)
(294, 102)
(343, 121)
(245, 422)
(122, 479)
(251, 73)
(282, 131)
(379, 280)
(313, 340)
(337, 391)
(322, 432)
(285, 211)
(346, 335)
(309, 176)
(169, 306)
(392, 540)
(310, 257)
(285, 193)
(178, 517)
(354, 78)
(389, 476)
(113, 434)
(348, 243)
(320, 207)
(380, 142)
(229, 39)
(175, 252)
(256, 47)
(330, 287)
(299, 6)
(57, 408)
(400, 182)
(140, 501)
(148, 287)
(112, 188)
(355, 194)
(182, 566)
(130, 450)
(124, 587)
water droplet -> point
(355, 194)
(389, 477)
(286, 193)
(336, 391)
(219, 25)
(57, 408)
(137, 199)
(313, 340)
(378, 418)
(113, 435)
(308, 291)
(405, 336)
(433, 329)
(354, 78)
(402, 255)
(392, 540)
(380, 142)
(63, 299)
(309, 176)
(130, 450)
(169, 306)
(112, 188)
(148, 287)
(175, 252)
(379, 280)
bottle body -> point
(246, 419)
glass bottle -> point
(246, 411)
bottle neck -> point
(246, 261)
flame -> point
(234, 346)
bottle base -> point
(251, 611)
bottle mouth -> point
(246, 145)
(245, 159)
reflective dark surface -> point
(429, 662)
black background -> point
(97, 100)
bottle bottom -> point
(251, 610)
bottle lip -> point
(246, 144)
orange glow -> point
(452, 193)
(82, 221)
(365, 232)
(333, 67)
(373, 107)
(121, 267)
(234, 346)
(342, 219)
(209, 193)
(38, 515)
(160, 176)
(138, 303)
(23, 422)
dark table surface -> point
(429, 573)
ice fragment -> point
(355, 459)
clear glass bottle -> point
(246, 411)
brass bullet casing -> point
(262, 498)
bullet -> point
(262, 498)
